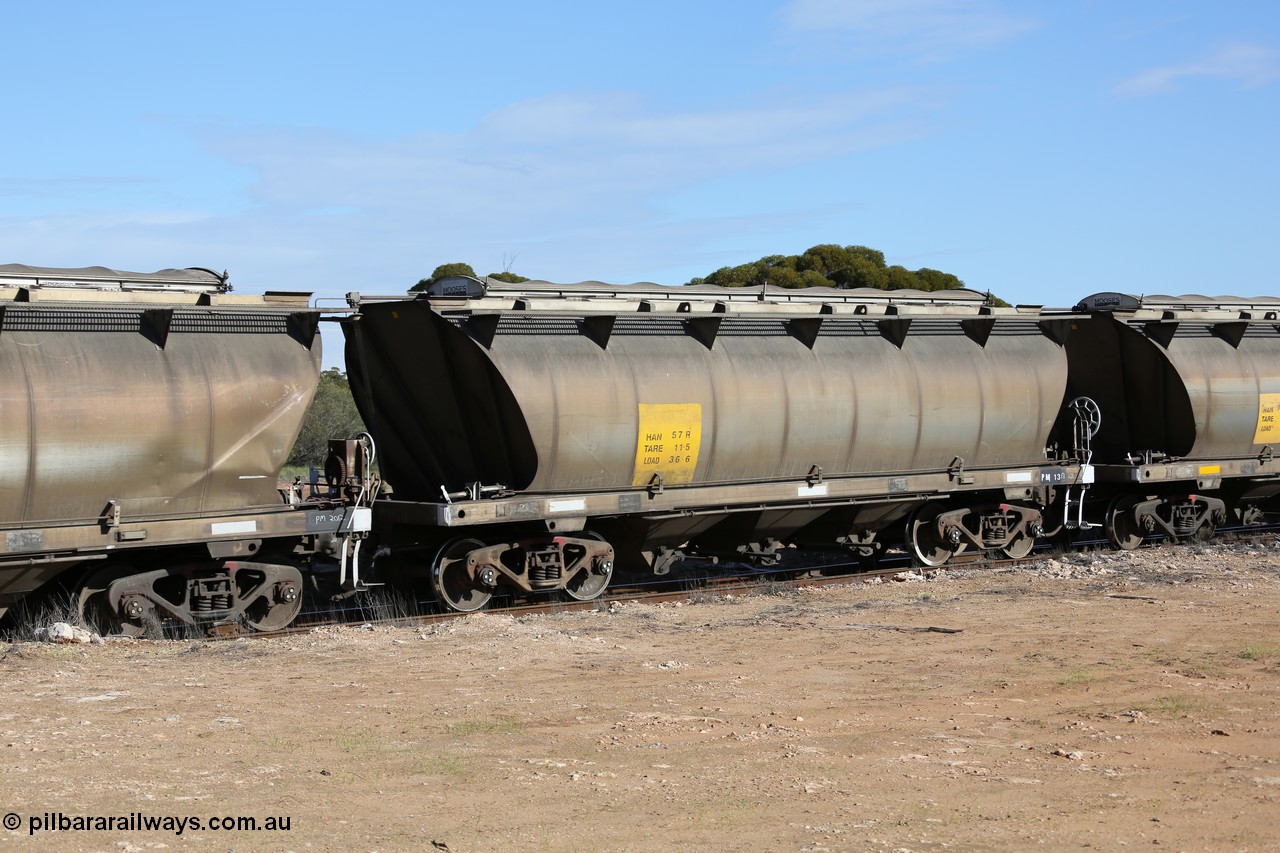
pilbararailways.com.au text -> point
(139, 822)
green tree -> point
(442, 271)
(333, 414)
(900, 278)
(845, 266)
(931, 279)
(832, 265)
(463, 269)
(509, 277)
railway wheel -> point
(1122, 530)
(452, 582)
(278, 603)
(1019, 548)
(95, 609)
(592, 577)
(926, 546)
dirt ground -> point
(1094, 701)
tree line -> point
(831, 265)
(824, 265)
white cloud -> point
(551, 166)
(928, 29)
(1248, 65)
(575, 184)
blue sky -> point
(1040, 150)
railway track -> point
(385, 607)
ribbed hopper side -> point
(1183, 383)
(557, 401)
(165, 410)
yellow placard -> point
(1268, 431)
(667, 443)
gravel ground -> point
(1100, 700)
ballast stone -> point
(62, 632)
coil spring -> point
(1184, 520)
(208, 603)
(544, 575)
(997, 529)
